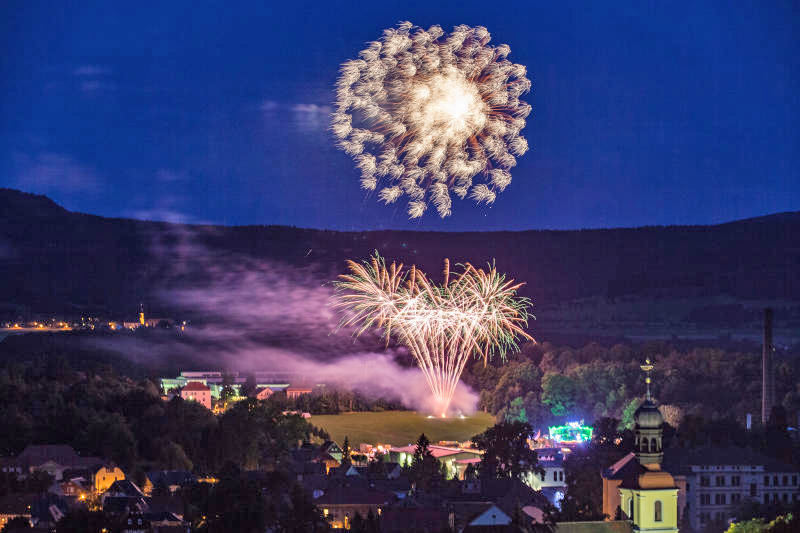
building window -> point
(774, 481)
(720, 481)
(736, 497)
(794, 480)
(705, 499)
(766, 481)
(719, 499)
(657, 514)
(736, 481)
(555, 475)
(753, 490)
(653, 447)
(785, 480)
(704, 481)
(785, 497)
(766, 497)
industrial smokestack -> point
(767, 376)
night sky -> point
(644, 113)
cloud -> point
(312, 109)
(303, 116)
(162, 215)
(95, 86)
(54, 173)
(169, 176)
(93, 79)
(91, 70)
(268, 106)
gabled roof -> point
(171, 477)
(195, 386)
(550, 457)
(623, 468)
(493, 516)
(126, 487)
(61, 454)
(437, 451)
(343, 495)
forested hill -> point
(55, 260)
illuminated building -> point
(571, 433)
(197, 392)
(105, 476)
(646, 494)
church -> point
(636, 487)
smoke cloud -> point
(262, 315)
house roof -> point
(171, 477)
(123, 504)
(126, 487)
(195, 386)
(681, 460)
(550, 457)
(624, 468)
(61, 454)
(350, 495)
(437, 451)
(17, 503)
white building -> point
(718, 480)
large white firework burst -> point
(424, 112)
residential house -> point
(51, 458)
(455, 460)
(171, 479)
(195, 391)
(341, 502)
(123, 497)
(16, 505)
(295, 392)
(551, 483)
(262, 393)
(155, 522)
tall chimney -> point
(767, 376)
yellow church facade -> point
(643, 492)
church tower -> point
(650, 497)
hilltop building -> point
(274, 381)
(646, 494)
(197, 392)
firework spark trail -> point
(474, 312)
(427, 111)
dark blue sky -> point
(644, 112)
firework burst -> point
(473, 312)
(423, 112)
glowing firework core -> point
(476, 312)
(425, 112)
(449, 109)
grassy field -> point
(399, 427)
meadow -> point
(399, 427)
